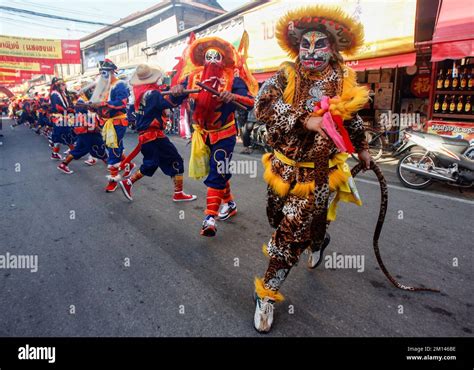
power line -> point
(23, 20)
(55, 8)
(44, 15)
(36, 25)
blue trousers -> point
(115, 154)
(163, 154)
(221, 154)
(90, 143)
(63, 135)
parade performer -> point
(157, 149)
(216, 64)
(43, 113)
(310, 109)
(89, 138)
(62, 117)
(109, 99)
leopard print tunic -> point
(284, 122)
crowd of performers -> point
(309, 107)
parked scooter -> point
(436, 158)
(257, 132)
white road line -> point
(418, 192)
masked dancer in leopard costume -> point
(310, 110)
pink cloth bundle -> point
(330, 127)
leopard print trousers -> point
(300, 223)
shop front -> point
(389, 48)
(452, 96)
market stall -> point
(452, 96)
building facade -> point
(124, 41)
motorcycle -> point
(258, 133)
(435, 158)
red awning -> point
(453, 37)
(262, 77)
(393, 61)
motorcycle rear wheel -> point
(410, 179)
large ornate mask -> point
(315, 51)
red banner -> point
(71, 52)
(40, 68)
(11, 80)
(21, 49)
(17, 74)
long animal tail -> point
(378, 228)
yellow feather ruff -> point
(280, 187)
(265, 251)
(352, 99)
(262, 292)
(290, 74)
(303, 189)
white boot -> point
(263, 318)
(316, 257)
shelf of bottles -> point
(454, 95)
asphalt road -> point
(140, 268)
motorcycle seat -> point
(455, 141)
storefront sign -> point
(389, 28)
(35, 68)
(118, 53)
(17, 74)
(92, 58)
(21, 49)
(162, 30)
(383, 95)
(461, 130)
(420, 86)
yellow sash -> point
(200, 152)
(341, 183)
(108, 131)
(291, 162)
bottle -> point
(437, 105)
(470, 80)
(455, 80)
(440, 80)
(467, 105)
(444, 106)
(463, 80)
(460, 104)
(447, 80)
(452, 104)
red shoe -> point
(56, 157)
(183, 197)
(111, 187)
(126, 186)
(64, 168)
(90, 162)
(130, 167)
